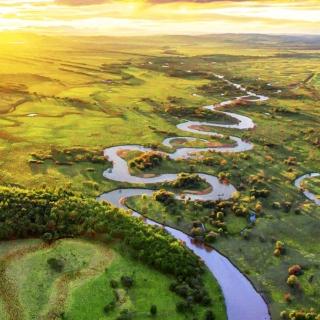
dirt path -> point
(8, 292)
(57, 301)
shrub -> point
(153, 310)
(300, 315)
(183, 307)
(163, 196)
(114, 284)
(295, 270)
(196, 231)
(286, 205)
(276, 205)
(263, 193)
(292, 280)
(277, 253)
(223, 176)
(279, 249)
(47, 237)
(211, 236)
(187, 180)
(127, 282)
(240, 210)
(147, 160)
(284, 315)
(110, 306)
(290, 161)
(209, 315)
(258, 207)
(287, 297)
(56, 264)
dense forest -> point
(54, 214)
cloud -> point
(161, 16)
(191, 1)
(80, 2)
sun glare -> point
(150, 17)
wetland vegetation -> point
(61, 108)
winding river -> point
(242, 301)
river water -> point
(242, 301)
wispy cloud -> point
(161, 16)
(81, 2)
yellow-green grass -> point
(117, 113)
(313, 185)
(41, 290)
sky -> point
(148, 17)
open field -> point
(93, 93)
(70, 279)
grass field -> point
(92, 94)
(78, 286)
(313, 185)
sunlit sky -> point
(127, 17)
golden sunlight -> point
(99, 17)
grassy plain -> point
(98, 92)
(33, 288)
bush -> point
(259, 193)
(47, 237)
(295, 270)
(147, 160)
(164, 196)
(284, 315)
(109, 307)
(300, 315)
(183, 307)
(127, 282)
(209, 315)
(56, 264)
(153, 310)
(114, 284)
(292, 280)
(211, 236)
(187, 180)
(279, 249)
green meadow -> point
(71, 279)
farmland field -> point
(65, 100)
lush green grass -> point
(81, 288)
(87, 301)
(41, 289)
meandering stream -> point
(242, 301)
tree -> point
(127, 282)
